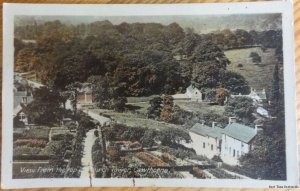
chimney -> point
(202, 122)
(231, 120)
(213, 124)
(256, 128)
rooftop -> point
(205, 130)
(240, 132)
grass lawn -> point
(136, 120)
(141, 99)
(35, 133)
(258, 76)
(200, 107)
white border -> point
(284, 7)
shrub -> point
(30, 142)
(114, 153)
(255, 57)
(26, 150)
(197, 172)
(179, 152)
(96, 133)
(36, 133)
(240, 65)
(62, 136)
(166, 157)
(151, 160)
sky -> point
(200, 23)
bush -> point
(255, 57)
(30, 142)
(197, 172)
(61, 136)
(151, 160)
(240, 65)
(36, 133)
(26, 150)
(179, 152)
(96, 133)
(166, 157)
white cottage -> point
(206, 140)
(192, 94)
(236, 141)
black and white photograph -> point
(201, 97)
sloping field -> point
(259, 76)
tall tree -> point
(155, 108)
(166, 113)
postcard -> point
(164, 95)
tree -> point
(73, 93)
(166, 113)
(275, 94)
(268, 158)
(155, 108)
(173, 136)
(148, 139)
(45, 107)
(222, 94)
(234, 82)
(255, 57)
(241, 107)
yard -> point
(138, 120)
(259, 76)
(200, 107)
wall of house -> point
(232, 149)
(211, 147)
(197, 96)
(83, 98)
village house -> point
(85, 94)
(206, 140)
(192, 94)
(230, 143)
(21, 99)
(258, 96)
(236, 141)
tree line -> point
(139, 58)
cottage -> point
(206, 140)
(21, 99)
(236, 141)
(85, 94)
(258, 96)
(192, 94)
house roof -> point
(191, 88)
(240, 132)
(204, 130)
(18, 98)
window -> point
(203, 145)
(24, 100)
(233, 153)
(212, 147)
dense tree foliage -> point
(241, 107)
(45, 107)
(138, 58)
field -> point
(200, 107)
(136, 120)
(260, 75)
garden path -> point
(87, 170)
